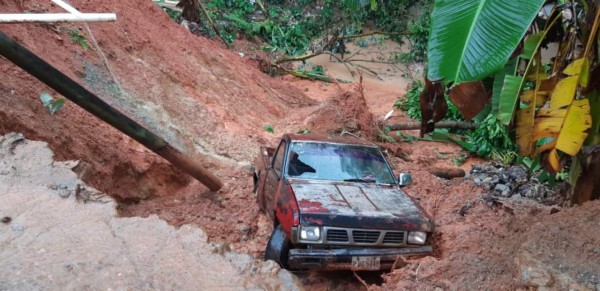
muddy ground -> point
(213, 104)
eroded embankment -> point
(58, 233)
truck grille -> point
(393, 238)
(337, 235)
(349, 236)
(365, 237)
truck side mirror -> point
(404, 179)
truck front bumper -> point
(352, 259)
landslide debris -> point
(66, 235)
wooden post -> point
(64, 85)
(412, 125)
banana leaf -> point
(526, 116)
(594, 136)
(572, 133)
(471, 39)
(508, 97)
(509, 69)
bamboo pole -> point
(64, 85)
(57, 17)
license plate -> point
(366, 263)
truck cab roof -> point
(341, 139)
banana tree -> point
(472, 40)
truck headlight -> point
(312, 233)
(417, 237)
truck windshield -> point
(338, 162)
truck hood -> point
(358, 205)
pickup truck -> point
(335, 204)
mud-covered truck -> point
(335, 204)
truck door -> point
(273, 179)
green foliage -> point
(491, 137)
(410, 102)
(470, 41)
(419, 36)
(504, 157)
(460, 160)
(269, 128)
(384, 135)
(77, 36)
(392, 15)
(290, 28)
(52, 104)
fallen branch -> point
(373, 33)
(447, 173)
(262, 7)
(413, 125)
(300, 58)
(212, 23)
(368, 70)
(371, 61)
(313, 76)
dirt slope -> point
(195, 93)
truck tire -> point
(278, 247)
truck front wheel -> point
(278, 247)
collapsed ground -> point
(213, 103)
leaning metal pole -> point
(64, 85)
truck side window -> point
(278, 164)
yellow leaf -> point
(564, 92)
(525, 118)
(575, 67)
(574, 130)
(548, 123)
(540, 100)
(554, 161)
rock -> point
(269, 267)
(289, 281)
(502, 190)
(17, 227)
(243, 228)
(518, 174)
(532, 190)
(220, 248)
(64, 193)
(532, 272)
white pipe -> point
(58, 17)
(66, 6)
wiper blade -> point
(359, 180)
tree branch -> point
(212, 23)
(373, 33)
